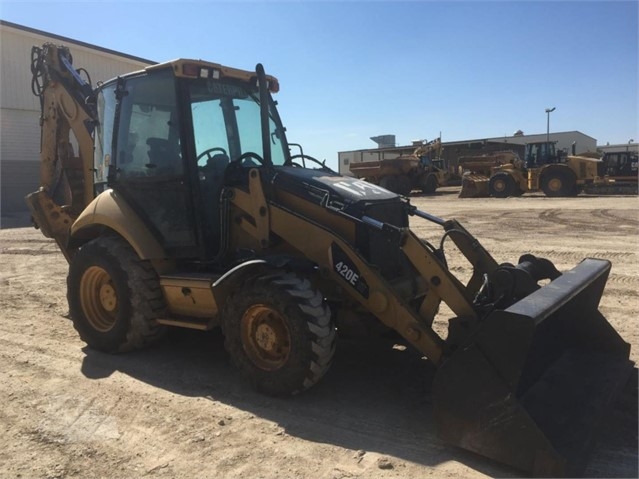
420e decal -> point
(348, 271)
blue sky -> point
(351, 70)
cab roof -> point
(188, 68)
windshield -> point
(539, 153)
(226, 120)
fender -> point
(556, 167)
(111, 210)
(228, 282)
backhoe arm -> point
(67, 117)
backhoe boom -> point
(67, 117)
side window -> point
(248, 122)
(104, 135)
(149, 132)
(247, 115)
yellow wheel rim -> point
(99, 299)
(266, 337)
(554, 184)
(499, 185)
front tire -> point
(502, 185)
(390, 183)
(430, 185)
(279, 333)
(557, 183)
(404, 185)
(114, 297)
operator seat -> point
(164, 158)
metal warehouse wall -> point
(565, 139)
(20, 109)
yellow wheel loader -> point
(501, 175)
(498, 174)
(183, 207)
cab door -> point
(150, 171)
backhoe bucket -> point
(531, 386)
(474, 186)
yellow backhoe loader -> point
(183, 207)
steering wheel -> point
(310, 158)
(246, 156)
(208, 153)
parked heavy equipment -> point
(543, 168)
(621, 173)
(420, 170)
(476, 171)
(184, 207)
(621, 165)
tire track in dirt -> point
(28, 246)
(45, 354)
(28, 252)
(579, 255)
(570, 218)
(606, 214)
(29, 241)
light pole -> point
(548, 112)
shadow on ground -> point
(374, 398)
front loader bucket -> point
(530, 388)
(474, 186)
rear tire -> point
(404, 185)
(114, 297)
(430, 185)
(279, 333)
(558, 183)
(390, 183)
(502, 185)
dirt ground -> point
(179, 409)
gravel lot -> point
(179, 409)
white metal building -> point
(20, 109)
(566, 140)
(619, 147)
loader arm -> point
(518, 358)
(67, 117)
(340, 262)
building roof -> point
(75, 42)
(517, 140)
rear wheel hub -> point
(554, 184)
(98, 298)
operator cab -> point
(541, 153)
(619, 164)
(172, 136)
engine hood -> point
(343, 195)
(328, 186)
(348, 195)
